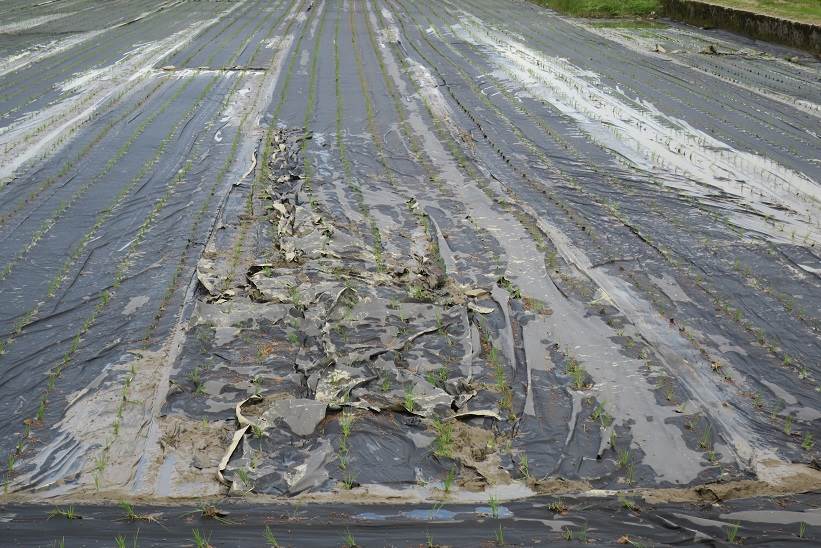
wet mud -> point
(366, 253)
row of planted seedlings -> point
(122, 266)
(741, 103)
(545, 67)
(341, 335)
(574, 371)
(66, 70)
(664, 251)
(218, 181)
(65, 206)
(173, 284)
(701, 348)
(551, 257)
(206, 207)
(213, 36)
(309, 171)
(38, 130)
(416, 292)
(349, 179)
(104, 215)
(773, 130)
(74, 159)
(413, 142)
(253, 202)
(65, 64)
(785, 300)
(69, 164)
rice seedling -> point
(121, 542)
(294, 295)
(211, 512)
(200, 539)
(66, 513)
(630, 474)
(705, 441)
(570, 535)
(557, 507)
(349, 480)
(500, 536)
(524, 467)
(443, 444)
(577, 373)
(447, 483)
(410, 400)
(195, 376)
(623, 458)
(346, 424)
(132, 515)
(256, 382)
(732, 532)
(245, 479)
(807, 442)
(510, 287)
(270, 539)
(493, 502)
(788, 425)
(350, 541)
(598, 412)
(628, 504)
(438, 377)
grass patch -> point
(602, 8)
(806, 11)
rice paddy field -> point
(404, 273)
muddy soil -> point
(380, 252)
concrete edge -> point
(803, 36)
